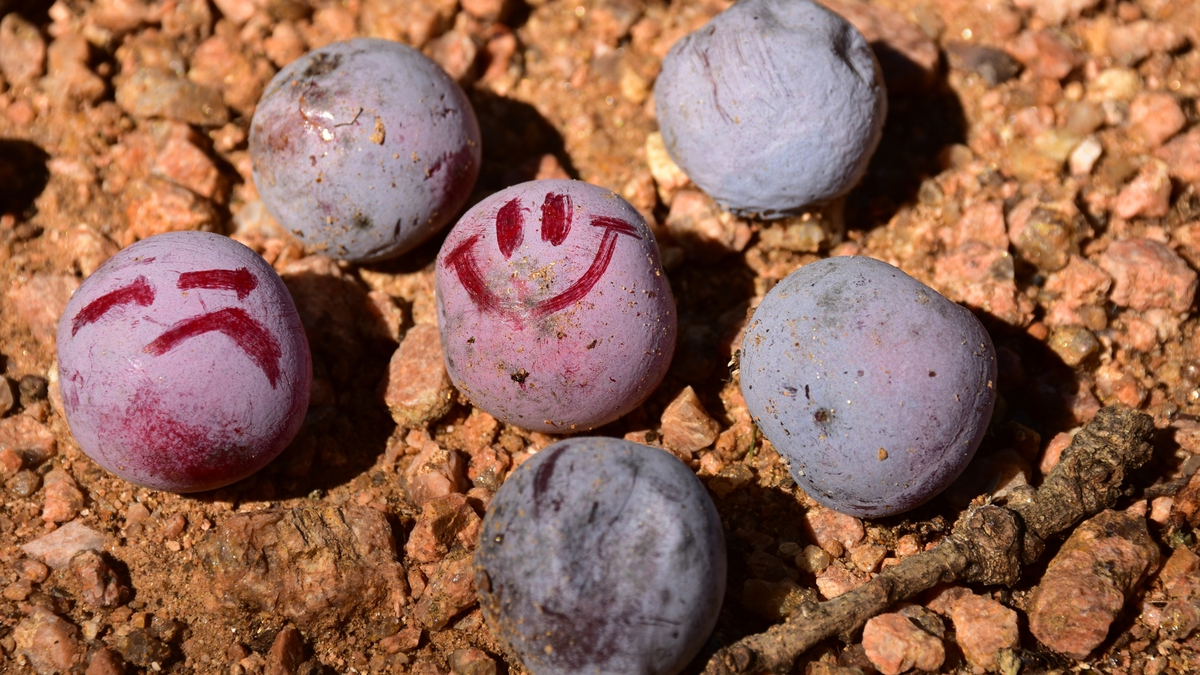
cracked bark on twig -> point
(988, 545)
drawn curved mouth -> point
(556, 223)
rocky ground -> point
(1040, 165)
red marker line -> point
(237, 325)
(462, 261)
(138, 292)
(239, 280)
(556, 218)
(591, 277)
(510, 227)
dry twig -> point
(988, 545)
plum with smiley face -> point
(554, 310)
(183, 364)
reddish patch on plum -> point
(247, 333)
(556, 218)
(137, 292)
(510, 228)
(240, 280)
(184, 454)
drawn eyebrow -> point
(239, 280)
(137, 292)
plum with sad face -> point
(554, 310)
(183, 364)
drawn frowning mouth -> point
(557, 214)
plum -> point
(599, 555)
(364, 149)
(182, 363)
(875, 388)
(772, 106)
(554, 310)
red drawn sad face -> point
(183, 363)
(555, 313)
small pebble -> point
(64, 501)
(826, 525)
(99, 586)
(105, 661)
(50, 643)
(1155, 117)
(1074, 604)
(813, 559)
(866, 557)
(451, 590)
(435, 472)
(287, 652)
(39, 302)
(706, 232)
(994, 65)
(60, 546)
(1148, 275)
(418, 389)
(444, 523)
(24, 483)
(666, 173)
(1182, 155)
(6, 396)
(405, 640)
(33, 388)
(22, 50)
(836, 580)
(1073, 344)
(149, 93)
(471, 662)
(894, 644)
(1084, 156)
(686, 425)
(984, 627)
(141, 649)
(1148, 195)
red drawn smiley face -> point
(183, 363)
(555, 313)
(557, 215)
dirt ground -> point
(1040, 165)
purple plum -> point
(772, 106)
(364, 149)
(183, 364)
(599, 555)
(554, 310)
(876, 388)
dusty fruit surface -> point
(606, 538)
(1038, 166)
